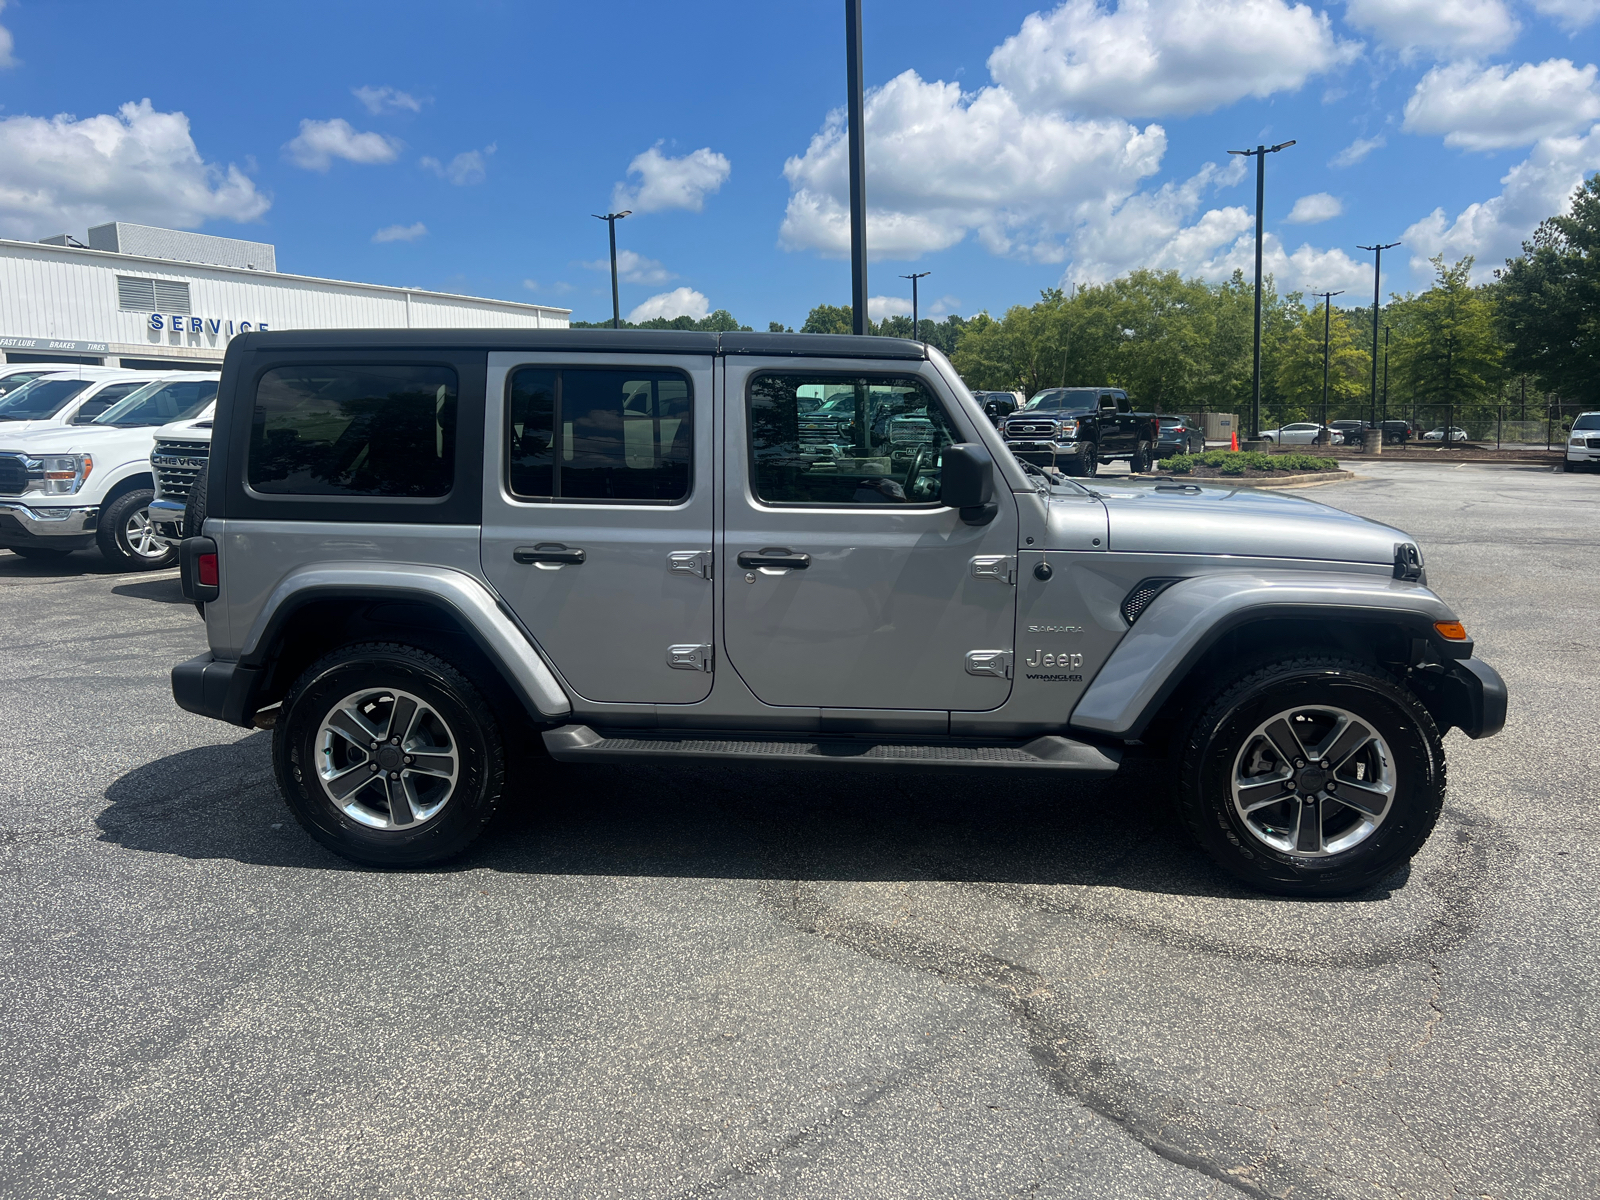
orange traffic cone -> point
(1236, 439)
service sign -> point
(161, 323)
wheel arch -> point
(128, 483)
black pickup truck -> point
(1078, 428)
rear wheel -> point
(1314, 777)
(126, 537)
(389, 756)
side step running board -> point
(579, 743)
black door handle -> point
(548, 552)
(770, 557)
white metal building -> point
(135, 296)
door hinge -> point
(690, 562)
(689, 658)
(989, 662)
(995, 566)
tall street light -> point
(856, 107)
(611, 220)
(1377, 275)
(915, 326)
(1260, 155)
(1327, 324)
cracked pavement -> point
(750, 983)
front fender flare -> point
(1187, 619)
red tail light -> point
(206, 566)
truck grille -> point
(1594, 443)
(1031, 429)
(176, 464)
(13, 475)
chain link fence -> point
(1538, 422)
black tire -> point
(123, 535)
(1227, 727)
(1086, 463)
(469, 725)
(194, 508)
(40, 553)
(1568, 465)
(1141, 459)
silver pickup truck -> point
(431, 561)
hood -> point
(10, 429)
(69, 439)
(1243, 522)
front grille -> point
(1031, 429)
(1594, 443)
(176, 464)
(13, 475)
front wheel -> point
(126, 537)
(1088, 461)
(1314, 777)
(389, 756)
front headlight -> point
(58, 474)
(1068, 429)
(1577, 441)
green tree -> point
(1447, 348)
(1549, 301)
(1297, 366)
(829, 318)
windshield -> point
(16, 379)
(39, 399)
(160, 403)
(1057, 398)
(1587, 421)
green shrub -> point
(1237, 462)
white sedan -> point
(1300, 433)
(1457, 434)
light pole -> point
(856, 106)
(1260, 155)
(915, 327)
(611, 220)
(1386, 331)
(1377, 274)
(1327, 324)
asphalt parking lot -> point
(735, 983)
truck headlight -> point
(59, 474)
(1068, 429)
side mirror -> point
(966, 482)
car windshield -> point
(159, 403)
(1058, 398)
(16, 379)
(39, 399)
(1587, 421)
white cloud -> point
(464, 169)
(1315, 208)
(671, 182)
(1492, 230)
(320, 142)
(1484, 108)
(140, 165)
(1149, 58)
(378, 99)
(1571, 15)
(400, 233)
(6, 57)
(941, 164)
(680, 302)
(1356, 151)
(879, 307)
(634, 268)
(1445, 26)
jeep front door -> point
(597, 514)
(846, 583)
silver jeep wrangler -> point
(431, 561)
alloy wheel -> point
(387, 759)
(140, 535)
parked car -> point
(1080, 428)
(997, 406)
(14, 375)
(177, 468)
(1351, 432)
(1583, 442)
(1179, 435)
(1300, 433)
(68, 488)
(1396, 433)
(1438, 435)
(424, 549)
(61, 398)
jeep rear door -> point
(845, 583)
(597, 516)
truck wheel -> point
(1087, 462)
(1141, 459)
(1313, 777)
(126, 538)
(194, 508)
(388, 756)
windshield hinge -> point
(995, 566)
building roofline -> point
(248, 273)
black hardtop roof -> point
(644, 341)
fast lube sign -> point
(216, 326)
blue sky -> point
(1012, 147)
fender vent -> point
(1143, 592)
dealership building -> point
(137, 296)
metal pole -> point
(1386, 332)
(1377, 276)
(1327, 324)
(1260, 154)
(611, 220)
(916, 325)
(856, 106)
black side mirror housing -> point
(966, 482)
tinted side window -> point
(1124, 406)
(607, 434)
(354, 431)
(833, 440)
(102, 400)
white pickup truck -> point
(68, 488)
